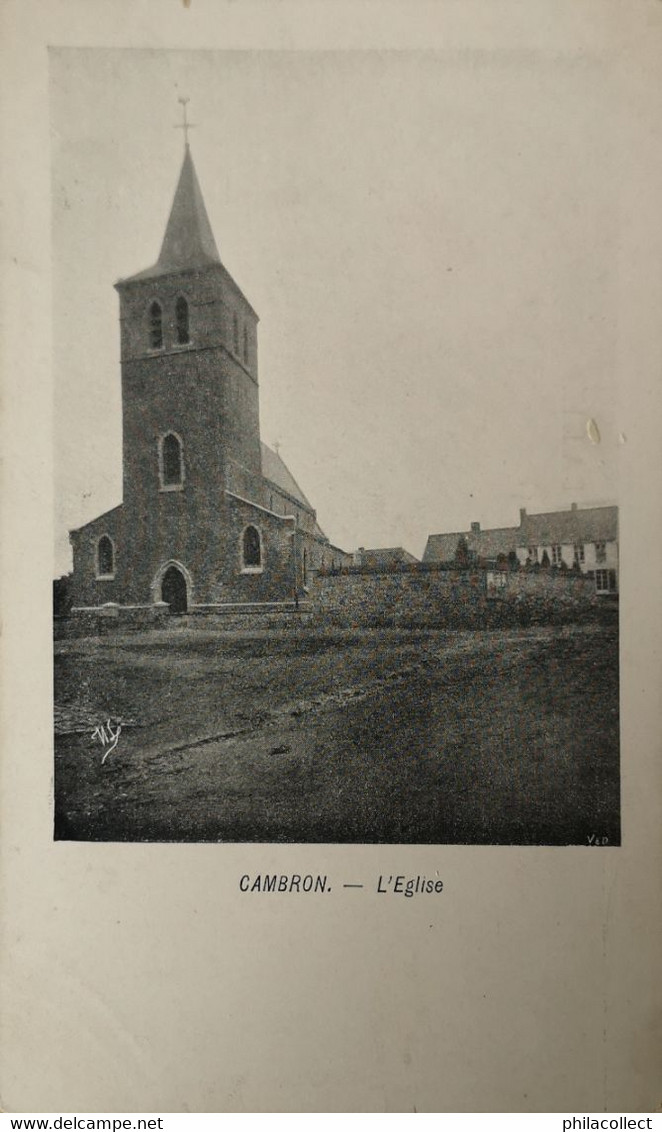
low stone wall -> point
(247, 618)
(453, 598)
(232, 618)
(108, 619)
(411, 597)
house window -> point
(556, 555)
(171, 462)
(251, 549)
(533, 554)
(181, 315)
(246, 344)
(156, 326)
(105, 558)
(600, 552)
(605, 581)
(579, 554)
(496, 582)
(235, 334)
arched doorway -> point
(173, 590)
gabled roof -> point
(275, 470)
(384, 556)
(483, 544)
(188, 241)
(590, 524)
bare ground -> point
(504, 737)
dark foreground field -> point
(506, 737)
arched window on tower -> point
(181, 315)
(235, 334)
(171, 462)
(105, 557)
(251, 549)
(155, 326)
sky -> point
(430, 240)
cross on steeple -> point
(185, 125)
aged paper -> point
(413, 151)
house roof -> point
(188, 241)
(484, 544)
(385, 555)
(590, 524)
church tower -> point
(189, 366)
(210, 516)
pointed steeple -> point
(189, 240)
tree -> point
(462, 552)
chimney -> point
(522, 515)
(475, 528)
(573, 506)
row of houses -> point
(581, 538)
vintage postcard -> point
(337, 512)
(331, 664)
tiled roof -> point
(385, 556)
(483, 544)
(579, 525)
(274, 469)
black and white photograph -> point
(331, 617)
(336, 448)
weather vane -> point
(185, 125)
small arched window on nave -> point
(105, 557)
(181, 316)
(155, 326)
(251, 549)
(172, 463)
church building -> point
(210, 515)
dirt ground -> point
(507, 737)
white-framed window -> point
(557, 556)
(579, 554)
(171, 462)
(156, 326)
(182, 320)
(601, 552)
(496, 582)
(533, 554)
(105, 558)
(605, 581)
(251, 550)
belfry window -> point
(171, 462)
(156, 326)
(105, 558)
(181, 315)
(251, 549)
(235, 334)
